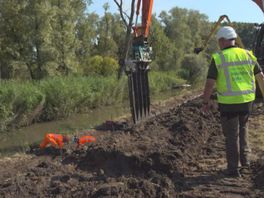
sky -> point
(236, 10)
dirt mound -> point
(259, 173)
(161, 157)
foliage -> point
(16, 100)
(163, 81)
(46, 38)
(246, 31)
(66, 95)
(193, 68)
(99, 65)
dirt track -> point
(178, 153)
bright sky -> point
(236, 10)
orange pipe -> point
(86, 139)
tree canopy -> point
(60, 37)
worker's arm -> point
(208, 90)
(260, 81)
(44, 143)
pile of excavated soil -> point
(175, 153)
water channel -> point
(18, 140)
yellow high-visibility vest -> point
(235, 81)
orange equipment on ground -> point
(56, 140)
(85, 139)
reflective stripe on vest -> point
(225, 66)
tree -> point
(163, 48)
(66, 15)
(106, 45)
(193, 68)
(185, 29)
(128, 22)
(178, 32)
(246, 31)
(39, 38)
(13, 38)
(87, 36)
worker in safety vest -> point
(80, 141)
(234, 71)
(56, 140)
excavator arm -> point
(213, 31)
(138, 67)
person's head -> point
(226, 36)
(66, 138)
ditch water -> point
(18, 140)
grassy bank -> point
(22, 103)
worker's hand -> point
(206, 107)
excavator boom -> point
(146, 16)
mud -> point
(179, 152)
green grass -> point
(67, 95)
(163, 81)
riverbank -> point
(19, 140)
(27, 102)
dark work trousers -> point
(235, 129)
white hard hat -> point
(226, 32)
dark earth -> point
(178, 152)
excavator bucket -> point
(139, 91)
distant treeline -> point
(47, 38)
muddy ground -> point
(179, 152)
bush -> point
(67, 95)
(17, 101)
(99, 65)
(193, 68)
(109, 66)
(163, 81)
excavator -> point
(137, 70)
